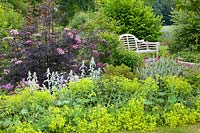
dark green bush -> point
(133, 17)
(81, 18)
(91, 21)
(189, 56)
(129, 58)
(121, 70)
(187, 20)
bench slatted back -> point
(130, 41)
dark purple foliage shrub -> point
(39, 46)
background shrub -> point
(121, 70)
(186, 18)
(129, 58)
(81, 18)
(133, 17)
(10, 19)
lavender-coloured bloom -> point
(92, 46)
(14, 32)
(24, 83)
(95, 53)
(8, 86)
(28, 42)
(60, 51)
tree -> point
(187, 20)
(132, 16)
(68, 8)
(162, 7)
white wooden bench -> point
(140, 46)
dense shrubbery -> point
(129, 58)
(105, 105)
(121, 70)
(186, 18)
(133, 17)
(10, 19)
(35, 49)
(90, 21)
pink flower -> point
(78, 39)
(95, 53)
(75, 46)
(14, 32)
(28, 42)
(18, 62)
(70, 35)
(60, 51)
(100, 65)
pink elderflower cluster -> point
(75, 46)
(60, 51)
(16, 61)
(100, 65)
(78, 40)
(70, 35)
(95, 53)
(14, 32)
(28, 42)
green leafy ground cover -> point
(109, 104)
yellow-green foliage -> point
(29, 100)
(24, 128)
(106, 105)
(198, 103)
(121, 71)
(57, 120)
(178, 84)
(133, 117)
(121, 83)
(149, 84)
(9, 19)
(99, 120)
(84, 84)
(179, 115)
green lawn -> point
(181, 129)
